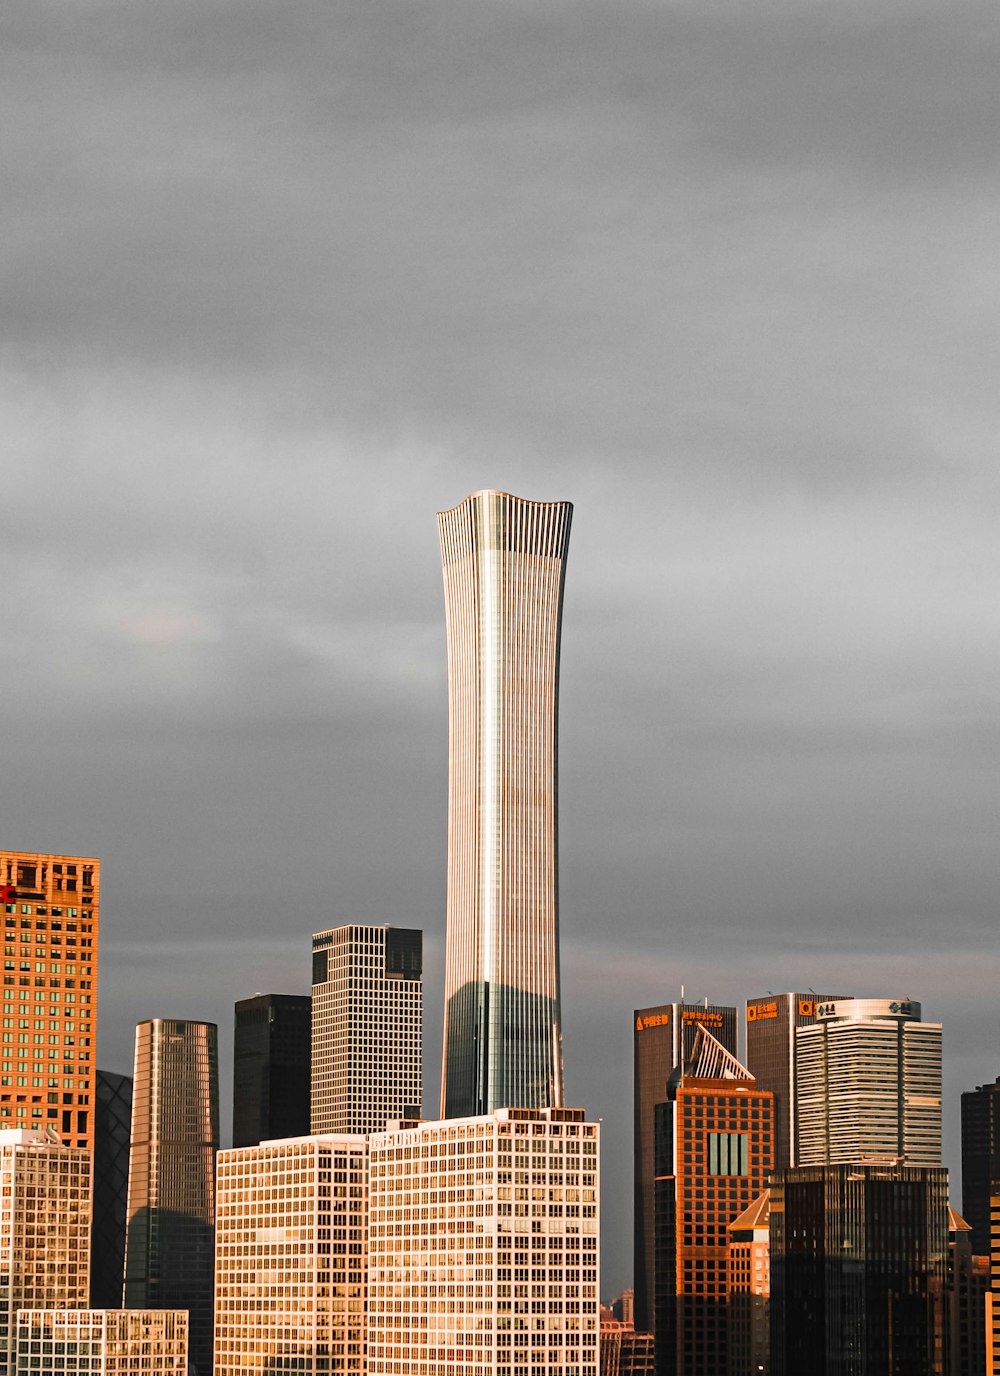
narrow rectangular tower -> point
(51, 906)
(169, 1246)
(367, 1026)
(504, 563)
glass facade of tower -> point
(858, 1270)
(271, 1068)
(171, 1188)
(51, 915)
(504, 565)
(112, 1135)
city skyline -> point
(715, 274)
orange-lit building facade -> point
(51, 913)
(503, 561)
(748, 1321)
(662, 1038)
(715, 1137)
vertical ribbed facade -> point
(504, 566)
(170, 1237)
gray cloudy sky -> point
(281, 281)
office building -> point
(271, 1068)
(993, 1296)
(714, 1157)
(858, 1269)
(112, 1135)
(102, 1342)
(748, 1322)
(868, 1075)
(965, 1307)
(367, 1027)
(291, 1258)
(624, 1352)
(44, 1229)
(51, 913)
(662, 1038)
(771, 1023)
(504, 562)
(171, 1184)
(483, 1246)
(980, 1159)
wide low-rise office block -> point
(291, 1258)
(483, 1246)
(102, 1342)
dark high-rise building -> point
(271, 1068)
(662, 1037)
(771, 1021)
(112, 1134)
(169, 1249)
(713, 1148)
(504, 563)
(367, 1027)
(858, 1270)
(980, 1160)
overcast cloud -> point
(281, 281)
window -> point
(727, 1153)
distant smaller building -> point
(748, 1325)
(623, 1308)
(101, 1342)
(624, 1352)
(271, 1050)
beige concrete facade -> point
(483, 1246)
(102, 1342)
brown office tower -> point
(504, 562)
(771, 1021)
(51, 919)
(170, 1238)
(858, 1269)
(661, 1037)
(714, 1158)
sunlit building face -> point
(504, 565)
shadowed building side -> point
(504, 565)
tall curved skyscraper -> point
(504, 564)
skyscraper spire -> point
(504, 566)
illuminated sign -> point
(654, 1020)
(702, 1015)
(807, 1008)
(7, 893)
(762, 1012)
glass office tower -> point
(504, 562)
(271, 1068)
(169, 1250)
